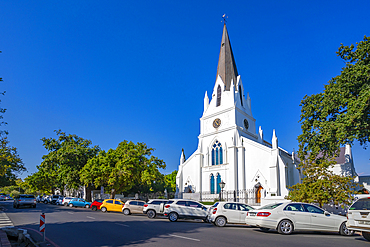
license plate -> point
(252, 214)
(364, 222)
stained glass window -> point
(217, 158)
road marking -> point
(176, 236)
(5, 221)
(70, 213)
(90, 217)
(122, 225)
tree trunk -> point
(112, 194)
(88, 190)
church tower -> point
(229, 148)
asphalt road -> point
(82, 227)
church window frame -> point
(217, 153)
(218, 101)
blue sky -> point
(110, 71)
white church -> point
(229, 149)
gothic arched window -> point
(212, 183)
(218, 183)
(217, 158)
(218, 103)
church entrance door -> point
(258, 194)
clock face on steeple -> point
(246, 124)
(216, 123)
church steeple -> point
(226, 68)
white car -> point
(358, 217)
(154, 207)
(228, 212)
(290, 216)
(66, 200)
(185, 209)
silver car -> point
(24, 200)
(359, 217)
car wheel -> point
(94, 208)
(87, 206)
(343, 230)
(126, 211)
(173, 216)
(220, 221)
(205, 220)
(366, 235)
(104, 209)
(285, 227)
(151, 214)
(264, 229)
(65, 204)
(45, 202)
(70, 205)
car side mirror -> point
(327, 213)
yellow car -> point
(111, 205)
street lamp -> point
(222, 186)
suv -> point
(154, 207)
(24, 200)
(185, 209)
(133, 206)
(228, 212)
(358, 217)
(54, 199)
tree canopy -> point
(60, 168)
(121, 169)
(337, 116)
(340, 114)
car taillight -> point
(263, 214)
(145, 205)
(167, 206)
(214, 211)
(19, 200)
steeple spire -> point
(226, 68)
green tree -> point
(337, 116)
(121, 169)
(11, 164)
(68, 154)
(170, 180)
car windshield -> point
(271, 206)
(362, 204)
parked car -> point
(60, 200)
(2, 197)
(113, 205)
(55, 198)
(359, 217)
(154, 207)
(79, 202)
(8, 197)
(290, 216)
(95, 205)
(133, 207)
(185, 209)
(24, 200)
(66, 200)
(228, 212)
(46, 199)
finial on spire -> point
(224, 17)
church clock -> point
(246, 124)
(216, 123)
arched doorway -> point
(258, 189)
